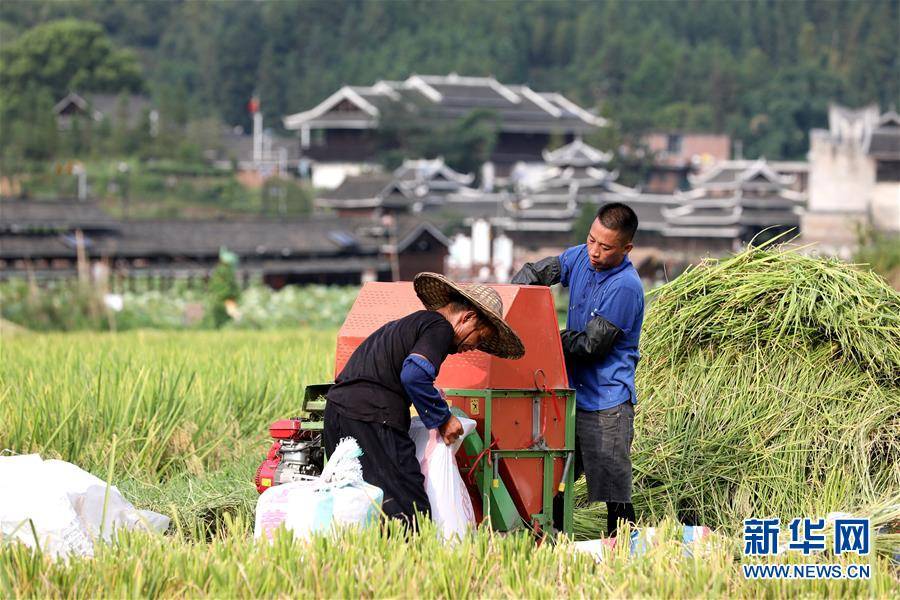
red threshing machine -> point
(520, 455)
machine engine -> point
(296, 454)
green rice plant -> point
(178, 402)
(778, 298)
(378, 563)
(768, 385)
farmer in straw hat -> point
(600, 342)
(396, 366)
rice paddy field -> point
(770, 386)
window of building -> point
(674, 143)
(887, 170)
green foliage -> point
(586, 217)
(67, 55)
(189, 413)
(180, 403)
(768, 384)
(65, 306)
(60, 306)
(40, 67)
(283, 197)
(760, 71)
(222, 287)
(465, 144)
(880, 252)
(377, 562)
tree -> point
(704, 63)
(222, 287)
(413, 131)
(41, 66)
(582, 224)
(67, 55)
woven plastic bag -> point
(451, 506)
(61, 509)
(338, 497)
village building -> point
(340, 134)
(676, 155)
(418, 185)
(727, 206)
(854, 178)
(128, 110)
(253, 158)
(548, 199)
(43, 240)
(682, 147)
(736, 202)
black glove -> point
(594, 343)
(543, 272)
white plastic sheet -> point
(641, 541)
(451, 506)
(54, 505)
(338, 497)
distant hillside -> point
(762, 70)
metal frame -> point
(545, 517)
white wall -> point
(841, 176)
(481, 242)
(460, 252)
(328, 176)
(886, 206)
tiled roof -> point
(444, 98)
(276, 239)
(63, 215)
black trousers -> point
(388, 461)
(603, 454)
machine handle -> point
(495, 482)
(565, 473)
(537, 385)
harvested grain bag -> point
(62, 509)
(451, 506)
(338, 497)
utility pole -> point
(79, 171)
(124, 171)
(253, 107)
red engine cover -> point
(265, 474)
(285, 429)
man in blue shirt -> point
(600, 343)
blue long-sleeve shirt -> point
(417, 376)
(616, 295)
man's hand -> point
(543, 272)
(451, 430)
(525, 276)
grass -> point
(369, 564)
(189, 411)
(785, 416)
(178, 402)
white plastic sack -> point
(641, 541)
(59, 507)
(338, 497)
(451, 506)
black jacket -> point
(597, 339)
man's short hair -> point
(619, 217)
(458, 303)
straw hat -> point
(435, 291)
